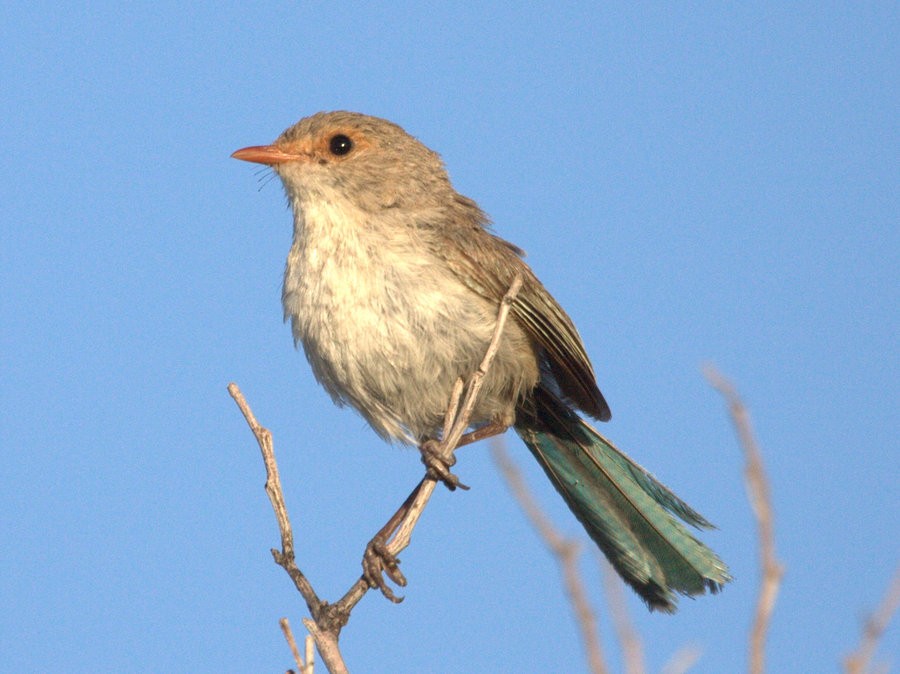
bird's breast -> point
(385, 324)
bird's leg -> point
(378, 560)
(488, 431)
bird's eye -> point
(340, 145)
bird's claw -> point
(378, 562)
(438, 465)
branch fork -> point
(380, 558)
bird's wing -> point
(488, 265)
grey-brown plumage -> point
(392, 287)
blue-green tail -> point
(627, 513)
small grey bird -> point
(392, 286)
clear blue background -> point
(701, 183)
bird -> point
(392, 287)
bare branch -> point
(566, 553)
(327, 643)
(875, 625)
(328, 619)
(403, 534)
(323, 615)
(760, 501)
(310, 651)
(303, 667)
(629, 639)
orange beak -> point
(265, 154)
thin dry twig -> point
(310, 652)
(323, 615)
(285, 557)
(875, 625)
(403, 535)
(566, 552)
(627, 635)
(303, 667)
(760, 501)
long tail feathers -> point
(627, 513)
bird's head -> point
(370, 161)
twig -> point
(401, 539)
(875, 625)
(629, 639)
(328, 624)
(309, 645)
(566, 553)
(292, 644)
(328, 619)
(285, 557)
(760, 501)
(304, 667)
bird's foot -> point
(438, 464)
(379, 562)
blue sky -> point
(703, 183)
